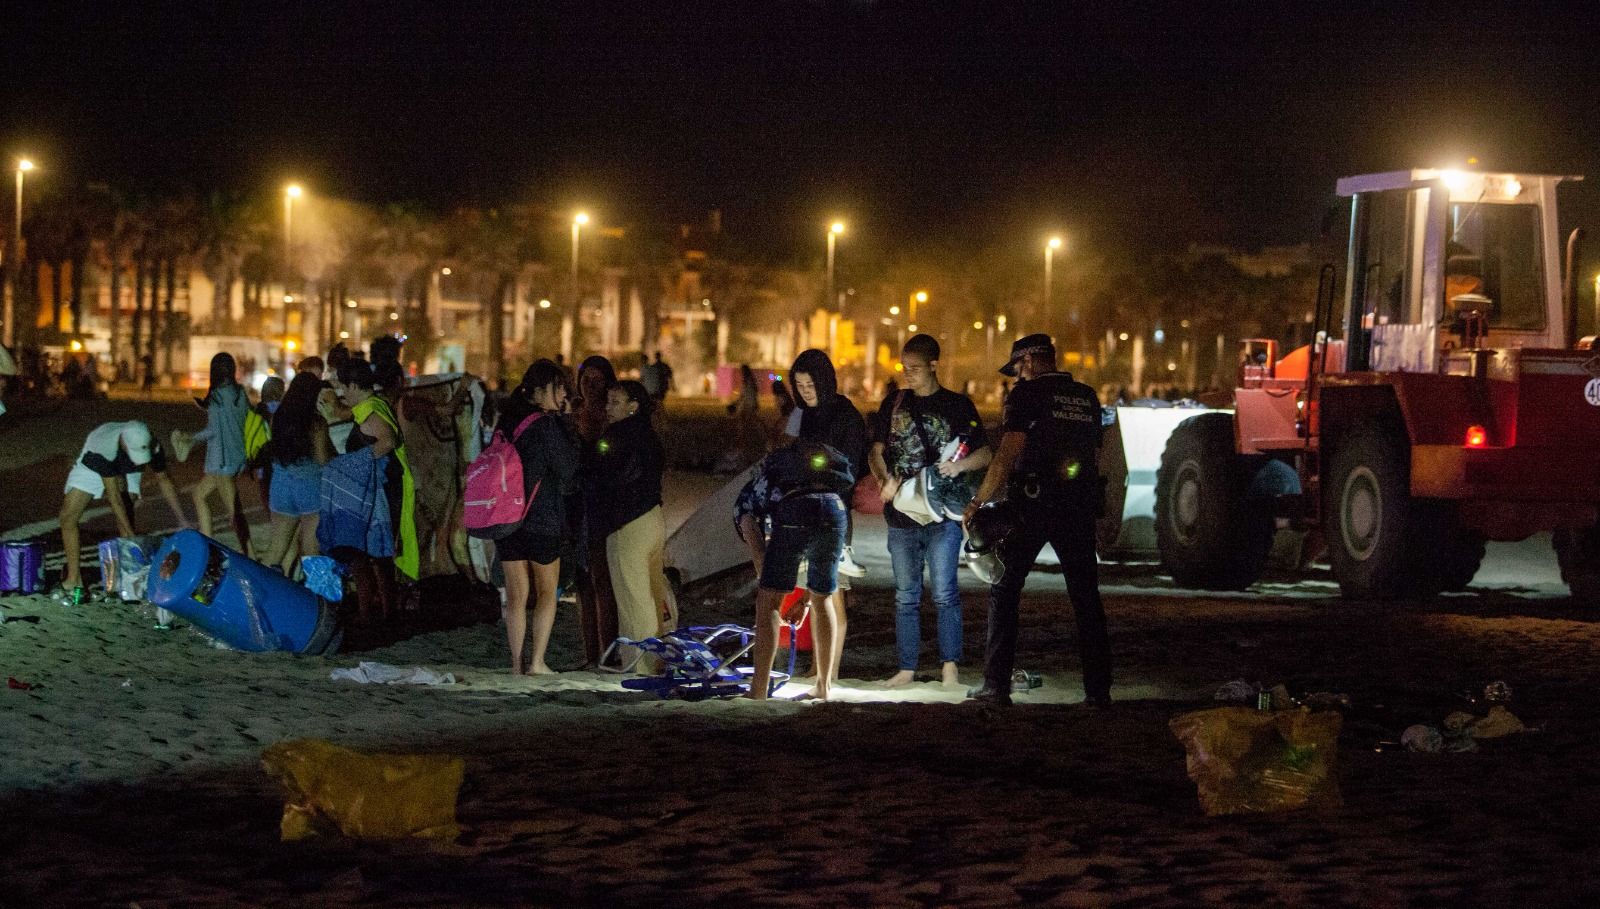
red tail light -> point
(1476, 437)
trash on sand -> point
(16, 684)
(365, 796)
(1497, 693)
(1499, 722)
(372, 673)
(127, 683)
(324, 577)
(1423, 738)
(1461, 731)
(1237, 691)
(1326, 700)
(1245, 760)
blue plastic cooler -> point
(244, 604)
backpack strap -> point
(523, 426)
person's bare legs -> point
(766, 646)
(72, 507)
(202, 504)
(840, 622)
(229, 491)
(279, 540)
(308, 536)
(516, 611)
(545, 580)
(824, 641)
(951, 673)
(236, 517)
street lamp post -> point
(920, 296)
(290, 194)
(1050, 247)
(578, 221)
(23, 166)
(834, 230)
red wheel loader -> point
(1444, 401)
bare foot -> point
(541, 669)
(517, 670)
(810, 695)
(755, 695)
(900, 679)
(951, 674)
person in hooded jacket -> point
(829, 417)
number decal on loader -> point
(1591, 392)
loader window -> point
(1494, 250)
(1391, 297)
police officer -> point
(1046, 465)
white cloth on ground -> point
(374, 673)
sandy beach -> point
(131, 772)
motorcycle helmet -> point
(985, 534)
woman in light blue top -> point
(226, 405)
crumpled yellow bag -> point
(367, 796)
(1244, 760)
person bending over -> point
(112, 462)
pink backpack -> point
(493, 505)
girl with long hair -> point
(597, 603)
(299, 447)
(531, 554)
(225, 405)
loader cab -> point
(1441, 259)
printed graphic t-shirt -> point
(945, 415)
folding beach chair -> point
(699, 662)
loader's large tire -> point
(1578, 554)
(1381, 541)
(1459, 551)
(1211, 534)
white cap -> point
(136, 442)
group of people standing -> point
(592, 466)
(931, 469)
(334, 416)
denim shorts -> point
(809, 528)
(296, 488)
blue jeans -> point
(807, 528)
(938, 546)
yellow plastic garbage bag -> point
(1245, 760)
(367, 796)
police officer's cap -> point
(1036, 343)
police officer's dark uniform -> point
(1055, 491)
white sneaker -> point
(849, 567)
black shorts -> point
(527, 546)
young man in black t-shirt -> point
(1047, 465)
(925, 426)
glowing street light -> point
(895, 310)
(290, 193)
(1050, 247)
(920, 296)
(835, 230)
(578, 221)
(23, 167)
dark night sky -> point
(964, 124)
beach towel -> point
(354, 511)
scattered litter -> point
(1461, 731)
(1423, 738)
(16, 684)
(1497, 693)
(1245, 760)
(373, 673)
(1237, 691)
(1261, 697)
(1499, 722)
(127, 683)
(366, 796)
(1327, 700)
